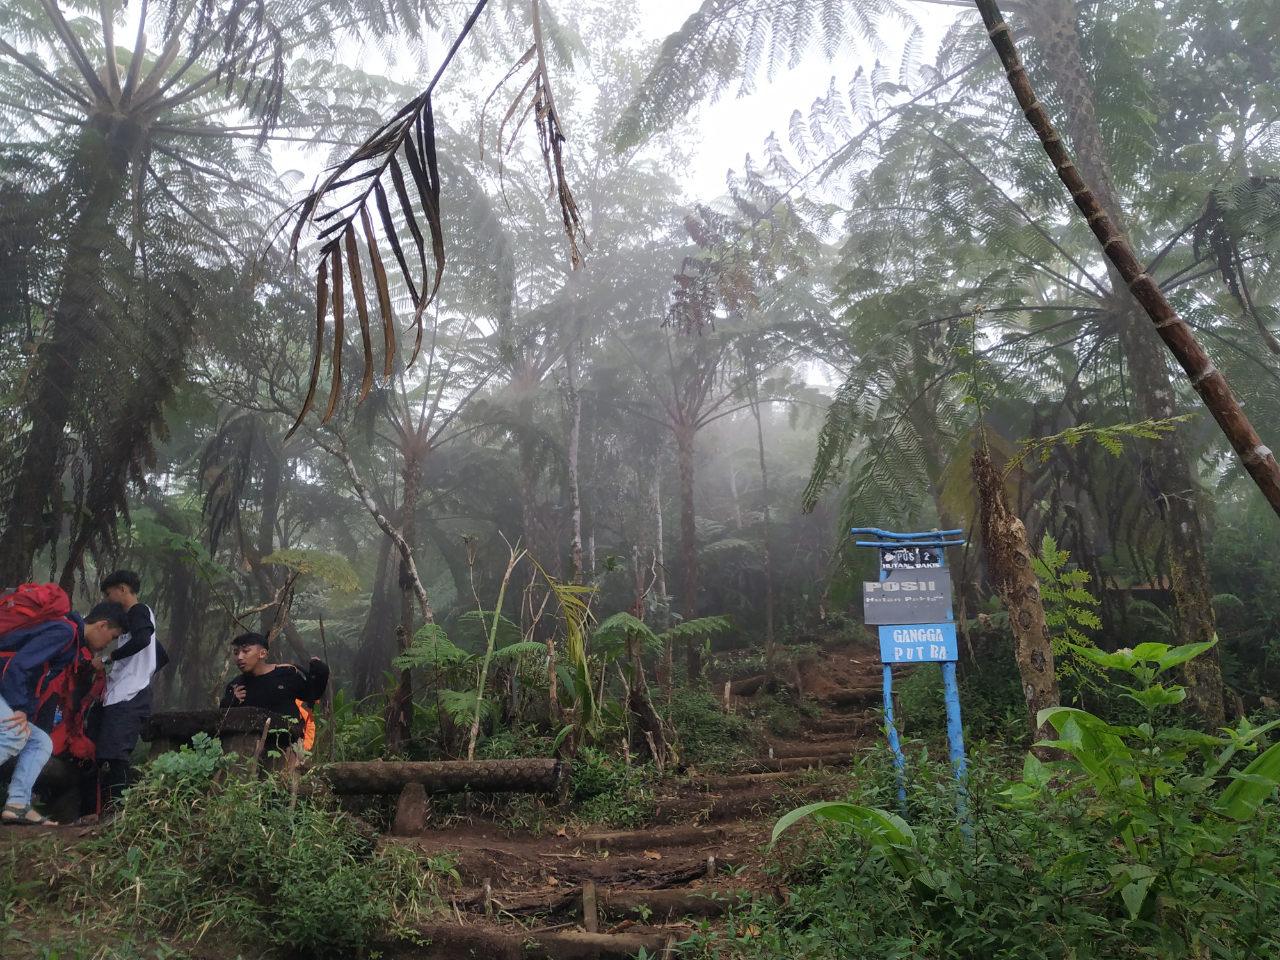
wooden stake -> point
(590, 920)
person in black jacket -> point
(272, 686)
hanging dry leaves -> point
(392, 182)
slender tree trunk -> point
(688, 544)
(399, 710)
(770, 652)
(373, 652)
(1053, 22)
(575, 431)
(1009, 558)
(77, 332)
(737, 504)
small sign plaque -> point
(908, 557)
(908, 596)
(919, 643)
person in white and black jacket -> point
(131, 664)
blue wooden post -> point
(955, 732)
(951, 694)
(899, 761)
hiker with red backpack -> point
(126, 702)
(39, 637)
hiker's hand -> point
(98, 664)
(18, 723)
(238, 692)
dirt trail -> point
(524, 895)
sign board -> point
(908, 557)
(919, 643)
(908, 596)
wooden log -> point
(446, 776)
(854, 697)
(590, 919)
(181, 725)
(839, 748)
(669, 906)
(643, 839)
(446, 941)
(747, 687)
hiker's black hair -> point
(250, 639)
(121, 578)
(112, 612)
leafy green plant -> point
(1067, 610)
(1148, 840)
(251, 860)
(198, 762)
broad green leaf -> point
(1180, 655)
(1158, 696)
(1120, 660)
(1150, 651)
(1034, 772)
(874, 823)
(1241, 799)
(1134, 894)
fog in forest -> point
(530, 364)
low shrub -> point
(710, 738)
(201, 851)
(1149, 841)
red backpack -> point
(32, 604)
(74, 691)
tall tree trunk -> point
(575, 431)
(770, 653)
(399, 710)
(1009, 558)
(688, 543)
(662, 620)
(1053, 22)
(379, 625)
(101, 166)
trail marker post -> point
(910, 605)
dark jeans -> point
(121, 725)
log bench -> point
(415, 781)
(240, 729)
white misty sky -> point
(732, 128)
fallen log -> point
(239, 729)
(839, 748)
(795, 763)
(448, 941)
(641, 839)
(854, 697)
(182, 725)
(747, 687)
(666, 906)
(445, 776)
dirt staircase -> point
(609, 894)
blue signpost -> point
(907, 605)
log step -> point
(453, 776)
(796, 763)
(788, 751)
(669, 837)
(443, 941)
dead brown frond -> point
(374, 177)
